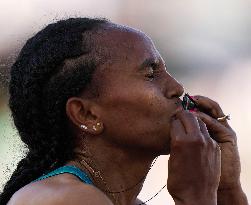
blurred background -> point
(206, 45)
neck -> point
(118, 172)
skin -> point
(136, 117)
(229, 190)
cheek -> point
(135, 100)
(132, 113)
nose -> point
(174, 89)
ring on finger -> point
(223, 118)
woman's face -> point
(137, 95)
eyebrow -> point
(148, 62)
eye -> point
(151, 71)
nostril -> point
(178, 90)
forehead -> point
(125, 45)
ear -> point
(84, 115)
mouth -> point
(188, 103)
(178, 102)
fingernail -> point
(193, 98)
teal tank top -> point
(70, 170)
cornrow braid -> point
(40, 85)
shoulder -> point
(88, 194)
(82, 193)
(76, 193)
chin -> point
(160, 149)
(165, 150)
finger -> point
(181, 140)
(210, 107)
(189, 122)
(177, 130)
(177, 133)
(206, 134)
(222, 134)
(203, 128)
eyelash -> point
(151, 75)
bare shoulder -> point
(83, 194)
(76, 193)
(86, 193)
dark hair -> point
(41, 82)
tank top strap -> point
(70, 170)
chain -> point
(131, 187)
(97, 174)
(153, 196)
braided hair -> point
(41, 82)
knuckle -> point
(211, 143)
(233, 133)
(197, 140)
(177, 143)
(215, 104)
(217, 108)
(187, 140)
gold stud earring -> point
(84, 127)
(93, 127)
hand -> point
(226, 138)
(194, 163)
